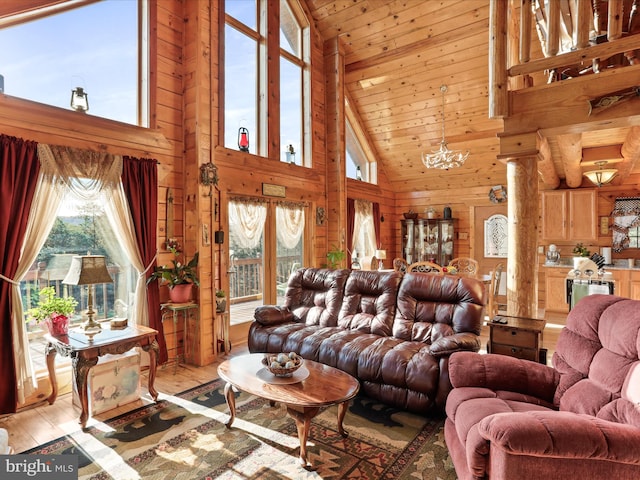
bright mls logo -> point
(40, 467)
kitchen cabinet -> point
(622, 284)
(570, 215)
(426, 239)
(634, 284)
(555, 290)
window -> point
(266, 242)
(360, 164)
(246, 78)
(94, 46)
(80, 227)
(241, 71)
(496, 236)
(291, 86)
(364, 234)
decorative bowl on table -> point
(410, 215)
(282, 364)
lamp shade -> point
(87, 270)
(601, 177)
(381, 254)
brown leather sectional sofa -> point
(394, 332)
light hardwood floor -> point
(39, 424)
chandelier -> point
(601, 176)
(443, 157)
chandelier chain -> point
(443, 157)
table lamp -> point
(88, 270)
(381, 255)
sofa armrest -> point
(561, 435)
(465, 341)
(273, 315)
(501, 372)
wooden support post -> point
(498, 94)
(336, 161)
(522, 263)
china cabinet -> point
(428, 239)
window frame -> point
(365, 157)
(267, 137)
(144, 96)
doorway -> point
(266, 244)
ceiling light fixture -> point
(602, 176)
(443, 157)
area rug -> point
(183, 437)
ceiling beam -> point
(546, 168)
(630, 155)
(570, 147)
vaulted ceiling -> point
(397, 55)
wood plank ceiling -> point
(397, 55)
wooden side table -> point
(84, 350)
(222, 332)
(174, 311)
(519, 337)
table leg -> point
(81, 367)
(231, 403)
(342, 411)
(152, 349)
(50, 353)
(303, 422)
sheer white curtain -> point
(41, 218)
(290, 221)
(246, 222)
(364, 233)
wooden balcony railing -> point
(577, 37)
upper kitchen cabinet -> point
(570, 215)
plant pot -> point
(221, 304)
(57, 325)
(181, 293)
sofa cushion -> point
(369, 302)
(314, 296)
(431, 306)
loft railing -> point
(575, 37)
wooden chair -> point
(465, 266)
(494, 288)
(428, 267)
(400, 265)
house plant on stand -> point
(179, 277)
(53, 310)
(221, 301)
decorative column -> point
(522, 264)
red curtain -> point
(351, 219)
(140, 181)
(19, 168)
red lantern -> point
(243, 139)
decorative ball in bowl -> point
(282, 364)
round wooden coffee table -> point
(313, 386)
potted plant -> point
(579, 252)
(335, 256)
(53, 310)
(180, 277)
(221, 301)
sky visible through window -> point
(94, 47)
